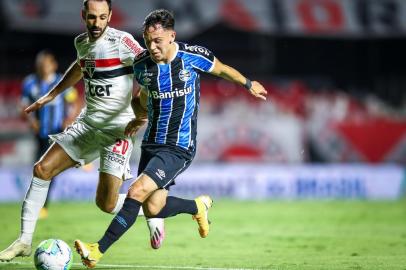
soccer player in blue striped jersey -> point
(168, 73)
(55, 116)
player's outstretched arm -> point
(72, 75)
(233, 75)
(139, 105)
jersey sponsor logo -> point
(184, 75)
(116, 158)
(197, 49)
(90, 65)
(130, 44)
(98, 90)
(171, 94)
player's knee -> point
(42, 171)
(138, 191)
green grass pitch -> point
(244, 235)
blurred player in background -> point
(169, 75)
(55, 116)
(104, 60)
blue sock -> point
(124, 219)
(175, 205)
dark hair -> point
(43, 53)
(85, 3)
(160, 16)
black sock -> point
(120, 224)
(175, 205)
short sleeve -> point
(200, 57)
(129, 49)
(75, 42)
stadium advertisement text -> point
(282, 17)
(238, 181)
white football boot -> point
(16, 249)
(156, 231)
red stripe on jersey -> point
(102, 62)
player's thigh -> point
(155, 202)
(108, 190)
(54, 161)
(80, 141)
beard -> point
(95, 32)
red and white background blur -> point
(246, 148)
(295, 17)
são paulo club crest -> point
(90, 65)
(184, 75)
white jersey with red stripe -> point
(108, 77)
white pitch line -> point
(144, 266)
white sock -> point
(33, 202)
(119, 205)
(141, 212)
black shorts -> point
(163, 163)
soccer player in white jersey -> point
(104, 60)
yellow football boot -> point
(203, 203)
(89, 253)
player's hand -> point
(38, 104)
(133, 126)
(258, 90)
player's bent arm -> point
(72, 75)
(233, 75)
(138, 104)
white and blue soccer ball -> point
(53, 254)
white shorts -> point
(84, 144)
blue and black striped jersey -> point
(52, 115)
(173, 95)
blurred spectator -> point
(53, 117)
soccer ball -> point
(53, 254)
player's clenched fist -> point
(133, 126)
